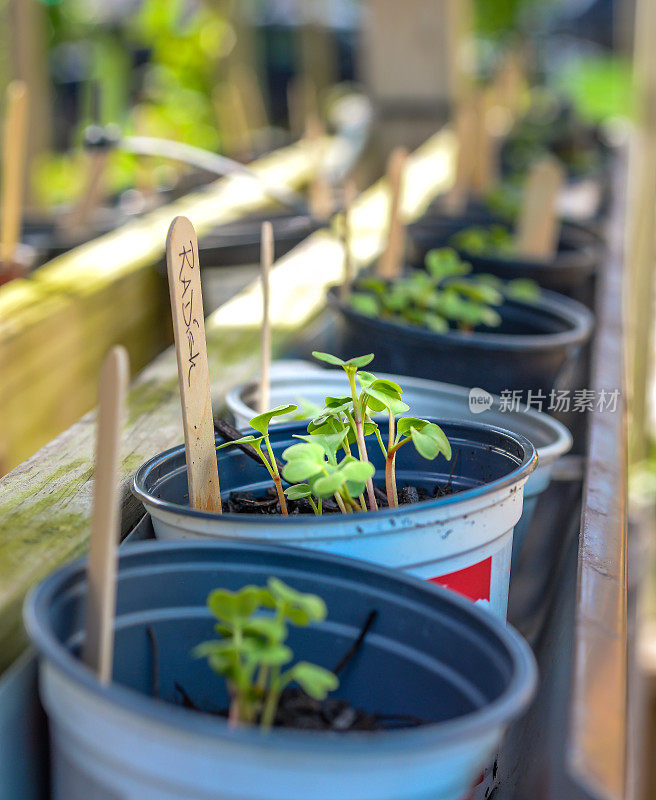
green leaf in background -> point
(311, 604)
(314, 680)
(445, 262)
(600, 86)
(249, 439)
(328, 358)
(228, 606)
(430, 441)
(261, 421)
(298, 491)
(524, 289)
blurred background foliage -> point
(162, 67)
(151, 67)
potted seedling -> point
(552, 126)
(562, 257)
(475, 330)
(437, 500)
(359, 488)
(307, 387)
(342, 680)
(493, 249)
(238, 243)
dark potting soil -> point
(249, 503)
(298, 710)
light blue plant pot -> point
(550, 438)
(428, 654)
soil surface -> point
(249, 503)
(298, 710)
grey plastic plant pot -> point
(535, 345)
(426, 399)
(462, 541)
(429, 654)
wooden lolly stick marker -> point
(266, 259)
(193, 371)
(391, 261)
(302, 103)
(13, 169)
(485, 169)
(538, 226)
(350, 193)
(466, 132)
(92, 194)
(320, 196)
(98, 648)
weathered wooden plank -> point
(45, 502)
(88, 296)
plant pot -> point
(463, 540)
(428, 654)
(575, 262)
(536, 344)
(238, 242)
(425, 398)
(436, 227)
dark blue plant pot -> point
(535, 345)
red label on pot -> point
(473, 582)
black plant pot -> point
(579, 253)
(237, 243)
(536, 345)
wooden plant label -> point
(350, 193)
(391, 261)
(538, 226)
(320, 195)
(13, 164)
(485, 168)
(98, 648)
(466, 134)
(266, 260)
(193, 372)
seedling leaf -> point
(261, 421)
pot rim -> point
(522, 470)
(575, 314)
(562, 438)
(500, 711)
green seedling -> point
(252, 650)
(351, 367)
(261, 424)
(479, 240)
(315, 460)
(505, 200)
(428, 438)
(440, 297)
(322, 465)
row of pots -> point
(430, 653)
(471, 675)
(434, 655)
